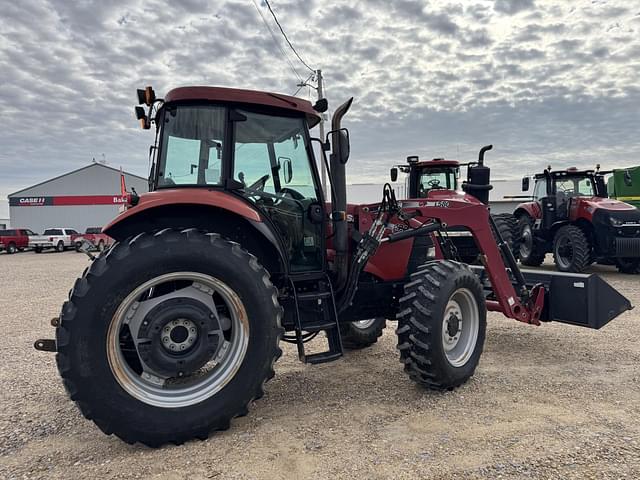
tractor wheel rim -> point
(460, 326)
(193, 387)
(564, 252)
(363, 324)
(526, 247)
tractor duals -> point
(584, 300)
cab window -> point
(540, 189)
(192, 143)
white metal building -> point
(87, 197)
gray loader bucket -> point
(580, 299)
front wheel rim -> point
(526, 247)
(460, 326)
(564, 252)
(364, 324)
(193, 387)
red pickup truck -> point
(15, 239)
(93, 235)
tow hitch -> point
(47, 344)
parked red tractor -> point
(174, 330)
(571, 216)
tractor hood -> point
(592, 204)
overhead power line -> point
(275, 40)
(287, 38)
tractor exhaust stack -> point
(339, 198)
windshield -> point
(191, 149)
(436, 179)
(575, 187)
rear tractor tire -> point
(528, 252)
(362, 333)
(571, 249)
(169, 336)
(441, 325)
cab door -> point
(273, 161)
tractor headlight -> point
(616, 222)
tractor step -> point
(323, 357)
(315, 311)
(585, 300)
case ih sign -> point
(67, 200)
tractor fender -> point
(206, 210)
(532, 209)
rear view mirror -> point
(627, 178)
(525, 184)
(285, 167)
(394, 174)
(343, 145)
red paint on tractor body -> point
(250, 97)
(188, 196)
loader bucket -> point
(579, 299)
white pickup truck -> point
(58, 238)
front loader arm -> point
(466, 211)
(546, 297)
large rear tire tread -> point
(509, 230)
(535, 258)
(581, 249)
(354, 338)
(80, 385)
(420, 323)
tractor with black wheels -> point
(174, 330)
(424, 177)
(570, 215)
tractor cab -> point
(254, 146)
(426, 176)
(555, 190)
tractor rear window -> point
(191, 150)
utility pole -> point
(323, 168)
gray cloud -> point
(511, 7)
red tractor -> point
(424, 177)
(173, 331)
(571, 216)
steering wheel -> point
(434, 183)
(260, 183)
(292, 193)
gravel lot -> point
(548, 402)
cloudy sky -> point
(544, 81)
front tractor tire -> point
(441, 325)
(168, 336)
(571, 249)
(628, 265)
(529, 252)
(362, 333)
